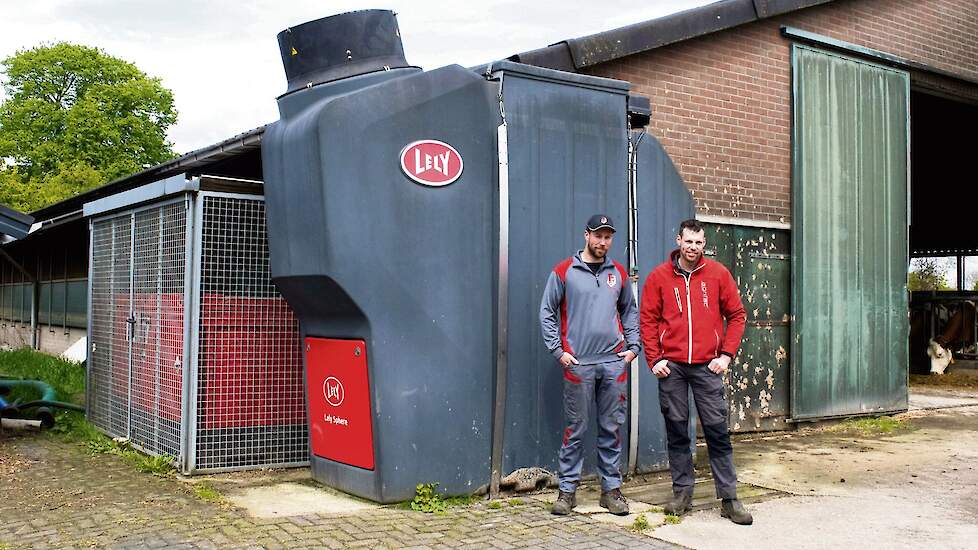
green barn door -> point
(849, 236)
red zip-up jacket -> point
(681, 316)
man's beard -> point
(596, 253)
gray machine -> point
(413, 218)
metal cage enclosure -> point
(193, 353)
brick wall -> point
(721, 103)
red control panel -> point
(339, 401)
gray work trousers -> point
(711, 405)
(607, 384)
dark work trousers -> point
(607, 384)
(711, 405)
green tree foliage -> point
(75, 118)
(927, 275)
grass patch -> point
(68, 381)
(641, 523)
(160, 466)
(67, 378)
(206, 492)
(873, 426)
(951, 379)
(461, 500)
(495, 505)
(674, 520)
(515, 502)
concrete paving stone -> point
(117, 507)
(364, 543)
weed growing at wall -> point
(427, 499)
(882, 425)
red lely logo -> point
(333, 391)
(431, 162)
(612, 280)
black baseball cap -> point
(600, 221)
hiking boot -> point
(735, 511)
(679, 504)
(615, 502)
(565, 503)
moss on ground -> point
(882, 425)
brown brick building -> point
(822, 140)
(719, 78)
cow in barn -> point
(958, 333)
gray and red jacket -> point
(683, 313)
(590, 316)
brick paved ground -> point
(54, 495)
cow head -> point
(940, 358)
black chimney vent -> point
(341, 46)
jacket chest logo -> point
(706, 297)
(612, 280)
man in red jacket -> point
(685, 302)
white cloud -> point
(221, 57)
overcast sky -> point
(221, 58)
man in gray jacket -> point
(590, 325)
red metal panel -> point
(157, 371)
(339, 401)
(248, 374)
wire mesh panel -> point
(159, 245)
(137, 326)
(250, 396)
(108, 364)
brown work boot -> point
(565, 503)
(679, 504)
(735, 511)
(615, 502)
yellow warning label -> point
(294, 52)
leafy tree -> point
(927, 275)
(75, 118)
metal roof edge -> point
(613, 44)
(14, 223)
(212, 153)
(142, 194)
(554, 75)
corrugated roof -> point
(577, 53)
(14, 223)
(211, 154)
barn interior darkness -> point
(943, 203)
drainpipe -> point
(639, 111)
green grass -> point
(160, 466)
(641, 523)
(426, 499)
(515, 502)
(495, 505)
(68, 381)
(873, 426)
(204, 491)
(675, 520)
